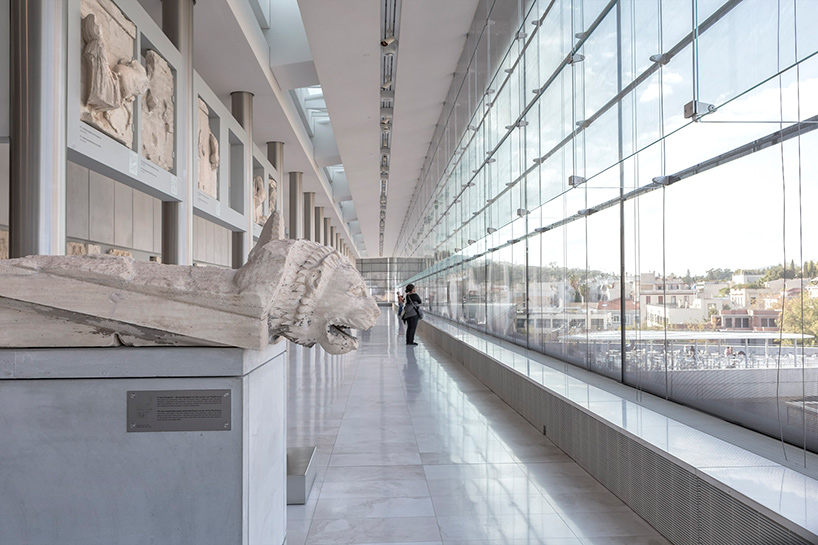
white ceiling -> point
(344, 38)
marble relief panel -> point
(208, 153)
(111, 77)
(157, 121)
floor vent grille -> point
(684, 508)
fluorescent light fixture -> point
(386, 85)
(388, 40)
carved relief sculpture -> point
(259, 196)
(296, 289)
(157, 112)
(208, 153)
(111, 78)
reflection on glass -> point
(715, 234)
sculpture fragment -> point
(120, 253)
(4, 244)
(272, 194)
(208, 154)
(295, 289)
(259, 196)
(111, 78)
(75, 248)
(157, 112)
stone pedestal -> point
(72, 472)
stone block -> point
(101, 208)
(123, 215)
(76, 201)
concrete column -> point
(319, 224)
(332, 237)
(337, 241)
(177, 217)
(309, 215)
(242, 110)
(326, 235)
(296, 210)
(275, 154)
(37, 174)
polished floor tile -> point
(373, 530)
(413, 449)
(375, 473)
(370, 507)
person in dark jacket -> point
(412, 321)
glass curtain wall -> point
(628, 185)
(384, 276)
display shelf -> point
(210, 209)
(229, 135)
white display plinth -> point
(70, 472)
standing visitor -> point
(400, 303)
(412, 314)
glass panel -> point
(743, 48)
(711, 253)
(602, 293)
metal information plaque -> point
(179, 410)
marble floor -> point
(413, 449)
